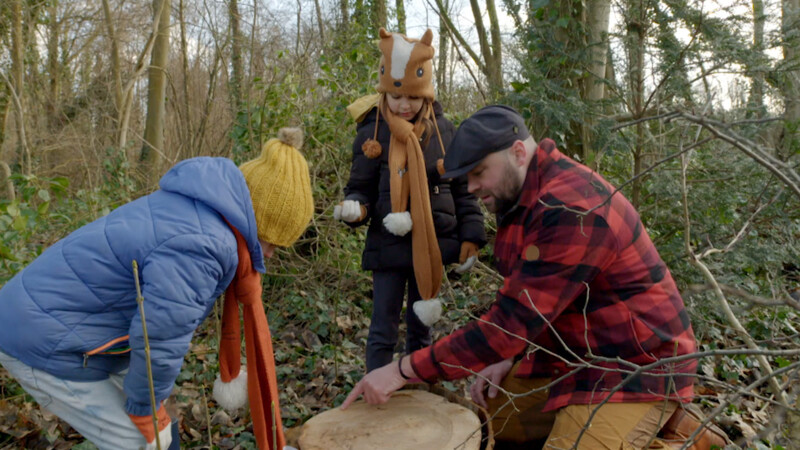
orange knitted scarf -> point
(262, 384)
(409, 183)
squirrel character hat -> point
(406, 69)
(280, 188)
(406, 66)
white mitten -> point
(165, 436)
(348, 210)
(399, 224)
(428, 311)
(467, 264)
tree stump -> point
(411, 419)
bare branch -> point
(732, 319)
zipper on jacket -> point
(106, 349)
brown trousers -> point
(517, 417)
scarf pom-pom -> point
(371, 148)
(428, 311)
(232, 395)
(440, 166)
(399, 224)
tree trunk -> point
(492, 65)
(441, 70)
(5, 103)
(116, 72)
(401, 16)
(299, 28)
(636, 24)
(54, 65)
(756, 100)
(593, 84)
(188, 139)
(489, 62)
(791, 84)
(344, 11)
(236, 57)
(153, 147)
(496, 69)
(378, 14)
(361, 13)
(597, 22)
(7, 183)
(18, 85)
(320, 22)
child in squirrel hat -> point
(395, 184)
(207, 230)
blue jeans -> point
(96, 409)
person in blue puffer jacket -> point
(70, 329)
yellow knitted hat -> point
(280, 189)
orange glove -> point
(469, 254)
(145, 426)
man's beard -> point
(508, 193)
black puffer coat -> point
(457, 216)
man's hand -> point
(491, 376)
(378, 385)
(349, 211)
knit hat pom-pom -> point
(291, 136)
(232, 395)
(371, 148)
(440, 166)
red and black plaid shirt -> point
(586, 294)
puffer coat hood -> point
(73, 313)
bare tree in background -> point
(444, 42)
(593, 84)
(237, 72)
(17, 87)
(186, 133)
(53, 63)
(756, 100)
(153, 147)
(5, 94)
(320, 21)
(344, 12)
(401, 16)
(378, 13)
(490, 59)
(116, 70)
(637, 24)
(791, 77)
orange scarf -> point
(262, 384)
(409, 183)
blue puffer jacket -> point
(73, 311)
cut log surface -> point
(411, 419)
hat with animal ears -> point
(406, 66)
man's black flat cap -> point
(491, 129)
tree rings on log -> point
(411, 419)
